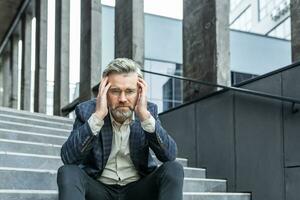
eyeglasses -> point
(117, 92)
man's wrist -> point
(95, 123)
(144, 115)
(149, 124)
(99, 115)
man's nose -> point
(122, 97)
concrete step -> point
(31, 136)
(19, 178)
(28, 194)
(20, 146)
(33, 128)
(31, 115)
(35, 161)
(53, 195)
(38, 179)
(40, 122)
(216, 196)
(191, 172)
(31, 161)
(204, 185)
(183, 161)
(29, 147)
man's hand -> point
(101, 103)
(141, 105)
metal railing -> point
(69, 108)
(237, 89)
(14, 24)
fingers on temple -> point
(102, 85)
(106, 88)
(143, 85)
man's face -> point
(122, 95)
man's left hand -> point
(141, 105)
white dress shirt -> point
(119, 168)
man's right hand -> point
(101, 103)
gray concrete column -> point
(90, 51)
(26, 62)
(14, 71)
(129, 30)
(295, 29)
(205, 45)
(62, 49)
(40, 87)
(7, 76)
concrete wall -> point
(251, 141)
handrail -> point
(242, 90)
(14, 24)
(271, 73)
(70, 107)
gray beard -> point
(121, 116)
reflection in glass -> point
(163, 91)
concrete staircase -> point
(29, 158)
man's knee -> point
(172, 170)
(67, 174)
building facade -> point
(259, 43)
(265, 17)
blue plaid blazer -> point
(91, 152)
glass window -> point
(172, 91)
(163, 91)
(272, 7)
(234, 4)
(244, 21)
(238, 77)
(283, 30)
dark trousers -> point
(165, 183)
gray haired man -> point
(107, 155)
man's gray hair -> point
(122, 66)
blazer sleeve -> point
(80, 142)
(162, 144)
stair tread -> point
(27, 113)
(55, 192)
(37, 138)
(55, 171)
(206, 179)
(33, 125)
(31, 133)
(33, 120)
(38, 179)
(215, 193)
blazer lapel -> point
(106, 134)
(134, 141)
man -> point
(107, 155)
